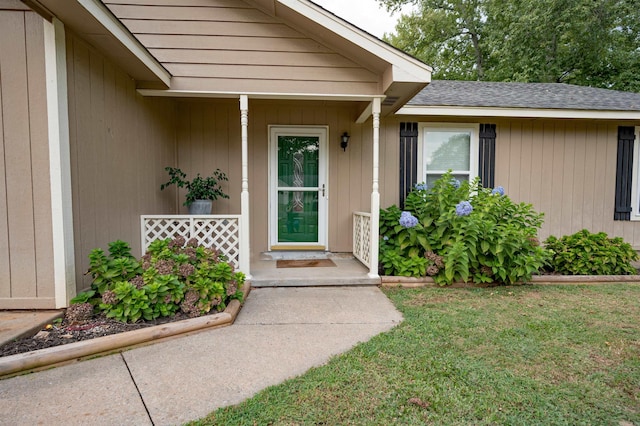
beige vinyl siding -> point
(228, 46)
(26, 246)
(208, 137)
(120, 143)
(565, 168)
(13, 5)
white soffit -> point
(516, 112)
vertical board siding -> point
(208, 138)
(567, 171)
(26, 242)
(120, 143)
(229, 46)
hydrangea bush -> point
(173, 276)
(461, 231)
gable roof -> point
(444, 97)
(125, 27)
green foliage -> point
(584, 253)
(200, 188)
(120, 265)
(172, 276)
(395, 263)
(445, 34)
(496, 242)
(131, 303)
(585, 42)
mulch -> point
(64, 333)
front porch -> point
(225, 232)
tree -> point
(586, 42)
(444, 33)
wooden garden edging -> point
(409, 282)
(21, 363)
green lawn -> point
(529, 355)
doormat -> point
(306, 263)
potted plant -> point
(201, 191)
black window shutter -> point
(487, 157)
(624, 173)
(408, 159)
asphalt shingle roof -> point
(524, 95)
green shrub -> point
(584, 253)
(172, 276)
(464, 231)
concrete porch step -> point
(302, 255)
(313, 281)
(347, 272)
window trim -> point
(474, 148)
(635, 182)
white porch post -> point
(245, 250)
(59, 163)
(375, 190)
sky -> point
(366, 14)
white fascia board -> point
(256, 95)
(403, 75)
(517, 112)
(99, 11)
(420, 72)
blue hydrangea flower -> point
(464, 208)
(498, 190)
(421, 186)
(408, 220)
(455, 182)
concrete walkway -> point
(280, 333)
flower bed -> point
(457, 232)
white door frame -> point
(322, 132)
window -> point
(448, 146)
(628, 174)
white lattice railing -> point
(362, 237)
(220, 231)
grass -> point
(530, 355)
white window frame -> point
(635, 185)
(474, 149)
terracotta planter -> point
(200, 207)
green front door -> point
(298, 188)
